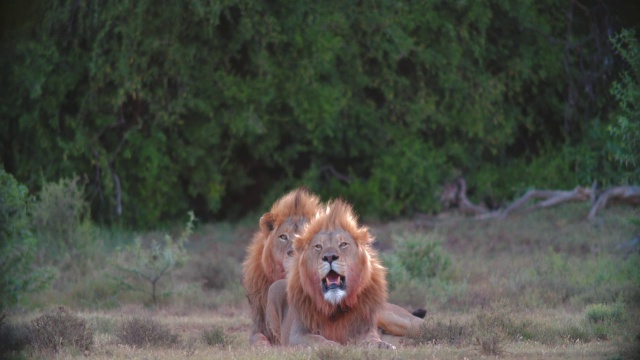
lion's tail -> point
(419, 313)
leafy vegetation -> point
(220, 107)
(216, 336)
(546, 281)
(627, 93)
(18, 273)
(60, 217)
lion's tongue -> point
(333, 278)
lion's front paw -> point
(329, 343)
(379, 344)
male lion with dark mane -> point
(270, 252)
(335, 288)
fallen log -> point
(551, 198)
(618, 194)
(454, 196)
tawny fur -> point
(357, 314)
(260, 268)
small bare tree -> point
(140, 268)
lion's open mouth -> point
(333, 280)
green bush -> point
(422, 256)
(216, 336)
(416, 270)
(18, 275)
(626, 90)
(604, 312)
(61, 220)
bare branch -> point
(623, 194)
(333, 172)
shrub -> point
(626, 132)
(140, 267)
(422, 256)
(144, 332)
(602, 312)
(59, 328)
(218, 272)
(61, 216)
(216, 337)
(503, 320)
(17, 245)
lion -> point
(271, 251)
(336, 286)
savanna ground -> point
(548, 284)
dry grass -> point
(191, 327)
(546, 285)
(436, 332)
(59, 329)
(145, 332)
(511, 351)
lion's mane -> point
(260, 268)
(367, 284)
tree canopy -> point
(220, 106)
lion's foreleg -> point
(258, 339)
(300, 335)
(372, 340)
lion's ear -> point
(267, 223)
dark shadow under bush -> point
(13, 338)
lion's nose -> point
(290, 253)
(330, 257)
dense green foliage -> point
(222, 106)
(17, 245)
(627, 93)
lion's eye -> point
(284, 237)
(318, 247)
(343, 245)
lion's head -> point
(336, 283)
(271, 249)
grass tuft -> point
(59, 328)
(336, 353)
(490, 345)
(453, 333)
(216, 337)
(145, 332)
(597, 313)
